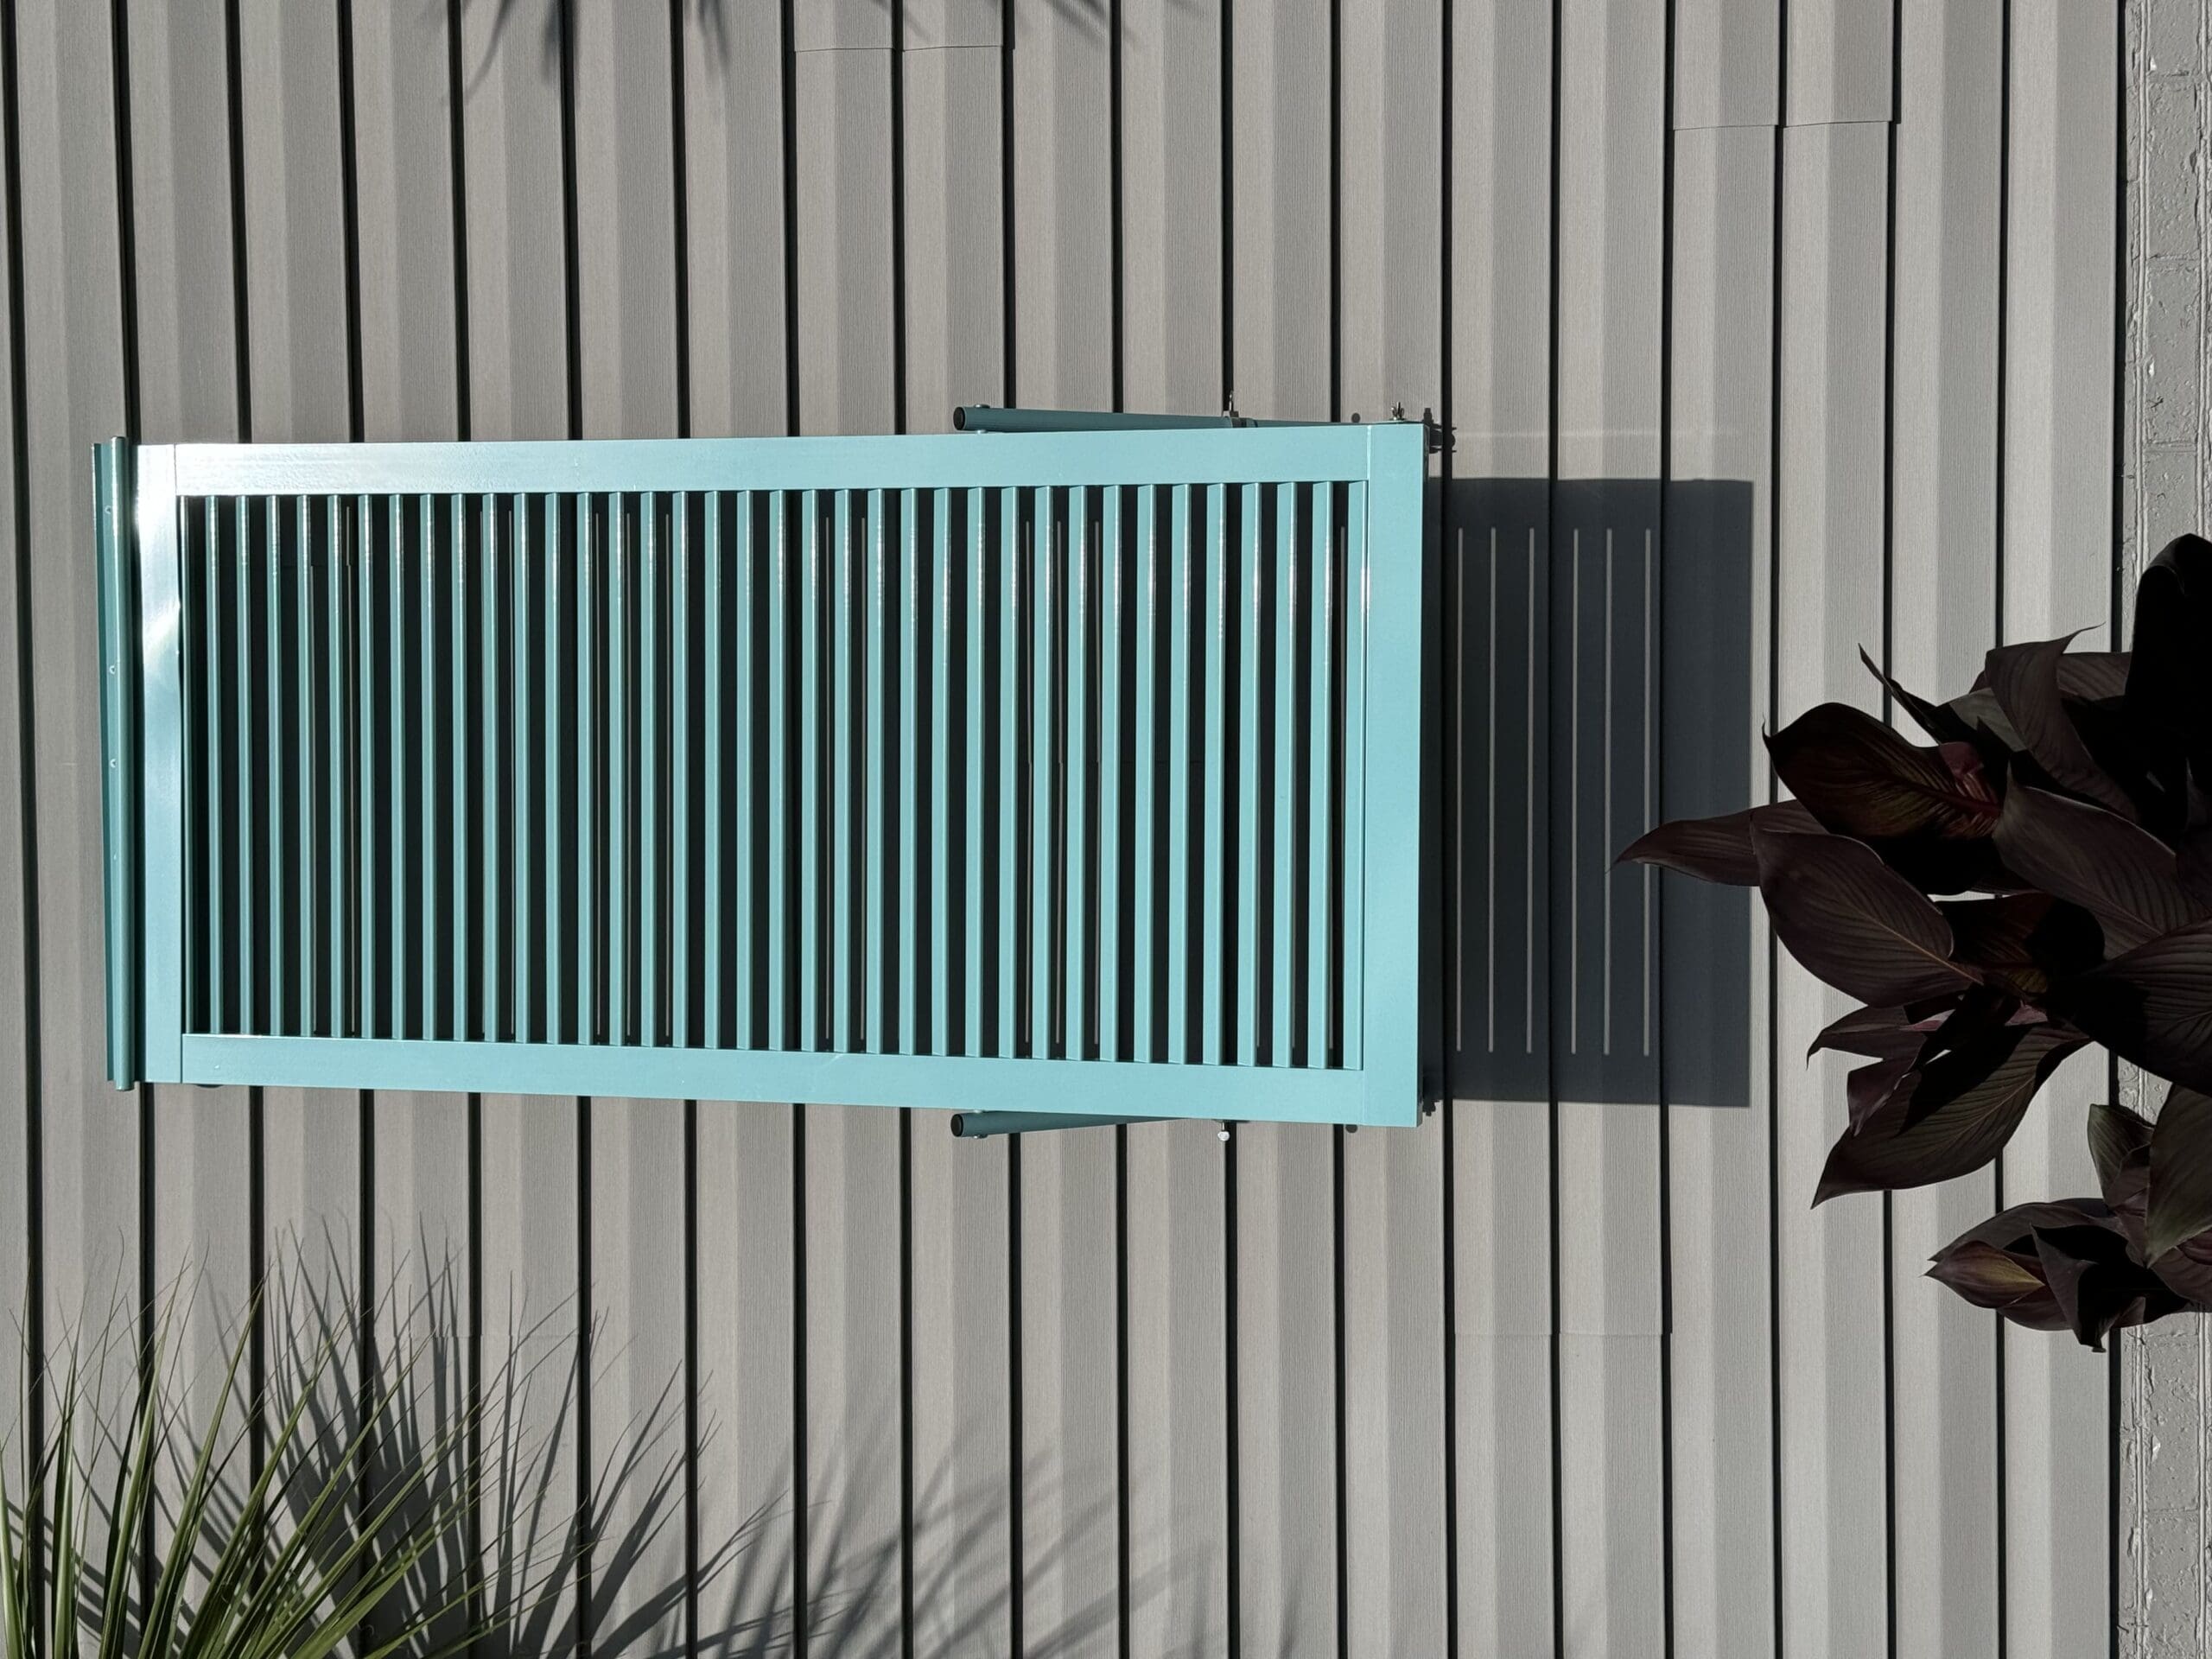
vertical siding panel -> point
(1177, 1457)
(18, 880)
(1063, 206)
(1840, 58)
(846, 301)
(1172, 225)
(1727, 63)
(955, 310)
(1943, 619)
(299, 386)
(747, 1471)
(1287, 1388)
(517, 297)
(960, 1392)
(1719, 1045)
(187, 365)
(735, 228)
(403, 173)
(1282, 296)
(533, 1339)
(1062, 147)
(853, 1219)
(529, 1240)
(625, 316)
(1176, 1366)
(1279, 175)
(1070, 1500)
(294, 222)
(73, 347)
(625, 207)
(746, 1474)
(2059, 330)
(1605, 533)
(1390, 106)
(1493, 999)
(1835, 1497)
(410, 389)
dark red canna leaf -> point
(2025, 680)
(1861, 779)
(2118, 1137)
(1870, 1086)
(1976, 1099)
(2180, 1206)
(2153, 1005)
(2022, 940)
(2170, 677)
(1999, 1280)
(1878, 1033)
(2122, 874)
(2098, 1285)
(1854, 922)
(2092, 676)
(2187, 1269)
(1718, 850)
(1996, 1266)
(1940, 721)
(2193, 863)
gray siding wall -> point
(1766, 334)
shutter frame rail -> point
(844, 770)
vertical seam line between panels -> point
(1776, 161)
(1439, 962)
(680, 203)
(1551, 1089)
(350, 190)
(1888, 664)
(788, 90)
(2114, 606)
(26, 726)
(2001, 1379)
(457, 168)
(1655, 767)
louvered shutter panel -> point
(1073, 772)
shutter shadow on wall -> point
(1603, 685)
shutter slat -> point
(1145, 615)
(1214, 641)
(1008, 850)
(1282, 791)
(1248, 593)
(939, 583)
(682, 770)
(1075, 988)
(1351, 995)
(1320, 612)
(1113, 632)
(912, 583)
(978, 567)
(1044, 598)
(1183, 599)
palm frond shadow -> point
(552, 1557)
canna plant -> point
(2034, 878)
(136, 1522)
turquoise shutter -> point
(1075, 773)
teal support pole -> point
(119, 650)
(982, 418)
(975, 1126)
